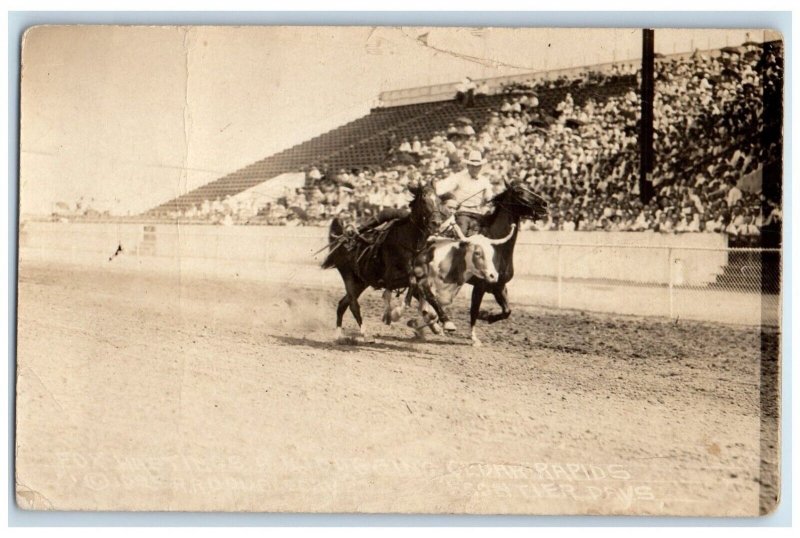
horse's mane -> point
(508, 191)
(497, 206)
(418, 192)
(510, 197)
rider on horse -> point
(471, 191)
(387, 214)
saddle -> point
(365, 239)
(373, 232)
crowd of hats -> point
(710, 155)
(709, 145)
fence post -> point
(671, 296)
(559, 277)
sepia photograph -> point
(400, 270)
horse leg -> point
(417, 272)
(397, 311)
(429, 297)
(409, 296)
(478, 292)
(387, 307)
(354, 291)
(425, 319)
(418, 281)
(422, 306)
(428, 318)
(344, 302)
(501, 296)
(432, 320)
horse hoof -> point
(497, 317)
(436, 328)
(450, 326)
(396, 314)
(476, 343)
(419, 334)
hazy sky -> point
(134, 116)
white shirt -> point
(466, 85)
(734, 195)
(471, 194)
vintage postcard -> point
(400, 270)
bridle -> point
(509, 206)
(428, 226)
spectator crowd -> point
(583, 156)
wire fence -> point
(732, 285)
(744, 283)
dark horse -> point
(388, 263)
(511, 206)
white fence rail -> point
(732, 285)
(693, 276)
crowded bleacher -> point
(711, 141)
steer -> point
(450, 264)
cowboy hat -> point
(475, 159)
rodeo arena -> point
(556, 292)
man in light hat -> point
(465, 92)
(471, 191)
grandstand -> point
(362, 142)
(718, 150)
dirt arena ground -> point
(149, 392)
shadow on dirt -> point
(438, 341)
(350, 344)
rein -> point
(425, 232)
(509, 206)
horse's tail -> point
(334, 233)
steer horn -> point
(504, 239)
(433, 238)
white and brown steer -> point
(450, 263)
